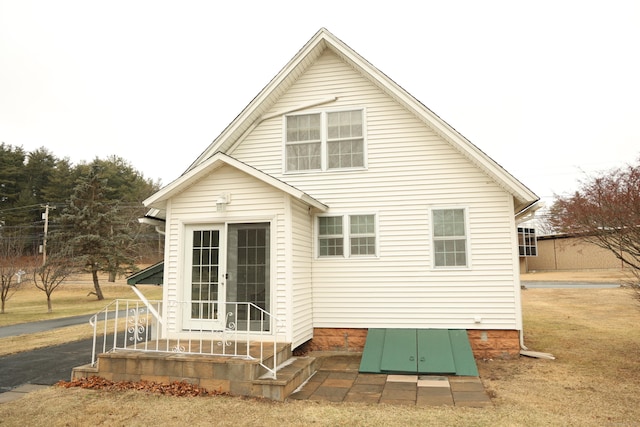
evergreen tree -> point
(126, 187)
(90, 227)
(12, 179)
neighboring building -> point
(560, 252)
(338, 202)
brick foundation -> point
(494, 344)
(485, 344)
(337, 339)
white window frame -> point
(331, 236)
(465, 238)
(346, 236)
(324, 139)
(527, 242)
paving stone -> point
(471, 398)
(398, 393)
(402, 378)
(401, 386)
(434, 383)
(434, 391)
(367, 388)
(445, 400)
(410, 402)
(467, 386)
(343, 375)
(319, 376)
(371, 379)
(362, 397)
(335, 382)
(332, 394)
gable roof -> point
(159, 199)
(256, 112)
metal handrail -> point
(144, 326)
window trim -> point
(324, 139)
(346, 236)
(527, 242)
(433, 239)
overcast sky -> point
(549, 89)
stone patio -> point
(338, 380)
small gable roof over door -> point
(159, 199)
(258, 110)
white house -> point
(336, 202)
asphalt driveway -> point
(44, 366)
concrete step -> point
(291, 374)
(236, 375)
(84, 371)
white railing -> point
(243, 330)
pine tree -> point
(90, 228)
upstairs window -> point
(303, 142)
(449, 238)
(345, 143)
(325, 141)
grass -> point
(594, 381)
(29, 304)
(72, 298)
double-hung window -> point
(449, 238)
(303, 145)
(324, 141)
(330, 236)
(362, 234)
(356, 238)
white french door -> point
(204, 277)
(227, 271)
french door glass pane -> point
(204, 274)
(248, 283)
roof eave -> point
(160, 198)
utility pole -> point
(45, 217)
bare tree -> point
(12, 269)
(605, 211)
(50, 276)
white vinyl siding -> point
(301, 307)
(410, 170)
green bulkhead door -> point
(400, 351)
(435, 355)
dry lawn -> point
(594, 381)
(72, 298)
(594, 276)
